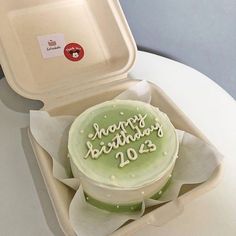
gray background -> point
(199, 33)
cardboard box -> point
(72, 55)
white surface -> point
(25, 205)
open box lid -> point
(38, 58)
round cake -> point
(123, 152)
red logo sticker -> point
(74, 51)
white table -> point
(25, 206)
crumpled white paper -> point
(196, 163)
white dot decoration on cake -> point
(117, 206)
(87, 198)
(170, 175)
(142, 192)
(105, 116)
(165, 153)
(81, 131)
(90, 135)
(122, 113)
(160, 192)
(102, 143)
(112, 177)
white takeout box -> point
(68, 87)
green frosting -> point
(157, 195)
(113, 208)
(144, 159)
(125, 207)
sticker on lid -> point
(51, 45)
(74, 52)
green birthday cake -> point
(123, 152)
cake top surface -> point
(122, 143)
